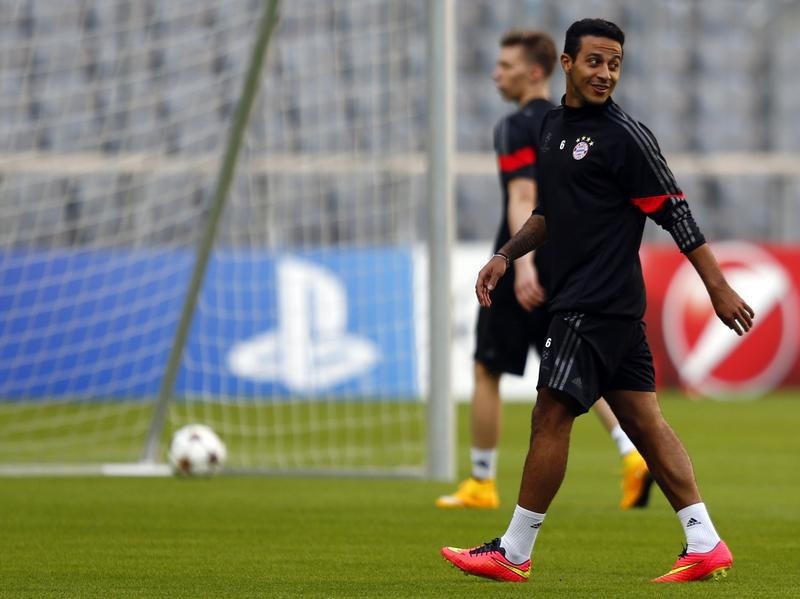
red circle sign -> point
(712, 359)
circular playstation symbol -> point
(580, 150)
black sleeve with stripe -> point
(515, 149)
(651, 185)
(674, 216)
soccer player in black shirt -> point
(601, 174)
(517, 317)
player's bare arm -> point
(730, 308)
(521, 202)
(676, 217)
(532, 234)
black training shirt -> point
(516, 144)
(600, 174)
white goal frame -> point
(440, 451)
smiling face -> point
(593, 74)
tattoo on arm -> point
(532, 234)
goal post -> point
(441, 95)
(300, 329)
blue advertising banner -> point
(99, 324)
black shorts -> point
(585, 356)
(505, 333)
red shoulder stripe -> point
(520, 158)
(652, 203)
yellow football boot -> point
(472, 493)
(636, 481)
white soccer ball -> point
(196, 450)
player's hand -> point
(487, 279)
(732, 310)
(527, 289)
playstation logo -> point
(310, 349)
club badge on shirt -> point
(582, 146)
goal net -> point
(306, 348)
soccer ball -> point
(196, 450)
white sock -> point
(701, 536)
(521, 535)
(484, 463)
(624, 444)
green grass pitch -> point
(330, 537)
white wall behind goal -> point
(467, 260)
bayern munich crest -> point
(582, 147)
